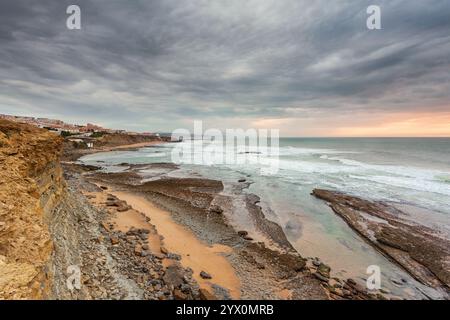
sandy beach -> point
(194, 254)
(131, 146)
(222, 261)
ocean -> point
(412, 174)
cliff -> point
(120, 139)
(31, 184)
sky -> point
(307, 68)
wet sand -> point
(193, 225)
(195, 254)
(166, 233)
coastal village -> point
(83, 134)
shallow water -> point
(413, 174)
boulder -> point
(320, 277)
(205, 275)
(242, 233)
(174, 275)
(324, 270)
(138, 250)
(206, 295)
(216, 209)
(179, 295)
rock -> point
(179, 295)
(123, 208)
(299, 265)
(113, 203)
(159, 256)
(145, 247)
(104, 187)
(164, 250)
(138, 250)
(337, 280)
(339, 292)
(260, 266)
(143, 236)
(346, 293)
(418, 248)
(216, 209)
(242, 233)
(248, 238)
(105, 226)
(173, 256)
(205, 275)
(324, 270)
(352, 285)
(132, 231)
(114, 240)
(397, 282)
(185, 288)
(316, 263)
(242, 180)
(206, 295)
(174, 275)
(320, 277)
(379, 296)
(12, 152)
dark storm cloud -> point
(139, 60)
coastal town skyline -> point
(87, 127)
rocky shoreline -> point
(263, 273)
(420, 251)
(116, 228)
(276, 271)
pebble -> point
(242, 233)
(397, 282)
(320, 277)
(316, 263)
(205, 275)
(164, 250)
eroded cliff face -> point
(31, 185)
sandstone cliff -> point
(119, 139)
(31, 184)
